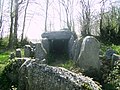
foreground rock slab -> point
(36, 76)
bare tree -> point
(46, 14)
(60, 12)
(85, 17)
(1, 13)
(16, 11)
(1, 17)
(27, 3)
(68, 7)
(101, 16)
(10, 44)
(16, 22)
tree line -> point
(106, 23)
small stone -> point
(109, 53)
(27, 51)
(12, 55)
(18, 53)
(63, 34)
(115, 58)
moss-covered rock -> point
(36, 76)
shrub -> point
(110, 76)
(9, 76)
(4, 43)
(113, 78)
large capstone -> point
(57, 35)
(36, 76)
(89, 54)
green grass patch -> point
(104, 48)
(69, 64)
(4, 59)
(116, 48)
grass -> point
(4, 59)
(104, 48)
(65, 62)
(116, 48)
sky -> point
(36, 26)
(35, 20)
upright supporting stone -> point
(45, 44)
(70, 44)
(76, 48)
(89, 55)
(18, 53)
(27, 50)
(40, 52)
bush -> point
(110, 76)
(113, 79)
(9, 76)
(4, 42)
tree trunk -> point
(16, 23)
(1, 18)
(10, 44)
(24, 20)
(86, 18)
(46, 15)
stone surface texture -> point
(45, 43)
(57, 35)
(76, 48)
(36, 76)
(18, 53)
(27, 50)
(70, 44)
(40, 52)
(109, 53)
(89, 54)
(115, 57)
